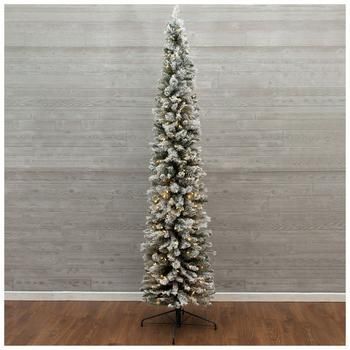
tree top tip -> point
(175, 11)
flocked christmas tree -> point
(176, 248)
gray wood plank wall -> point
(80, 84)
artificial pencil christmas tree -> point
(176, 248)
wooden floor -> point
(118, 323)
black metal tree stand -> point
(179, 319)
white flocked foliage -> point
(176, 247)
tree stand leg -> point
(157, 315)
(179, 320)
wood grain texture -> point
(118, 323)
(80, 83)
